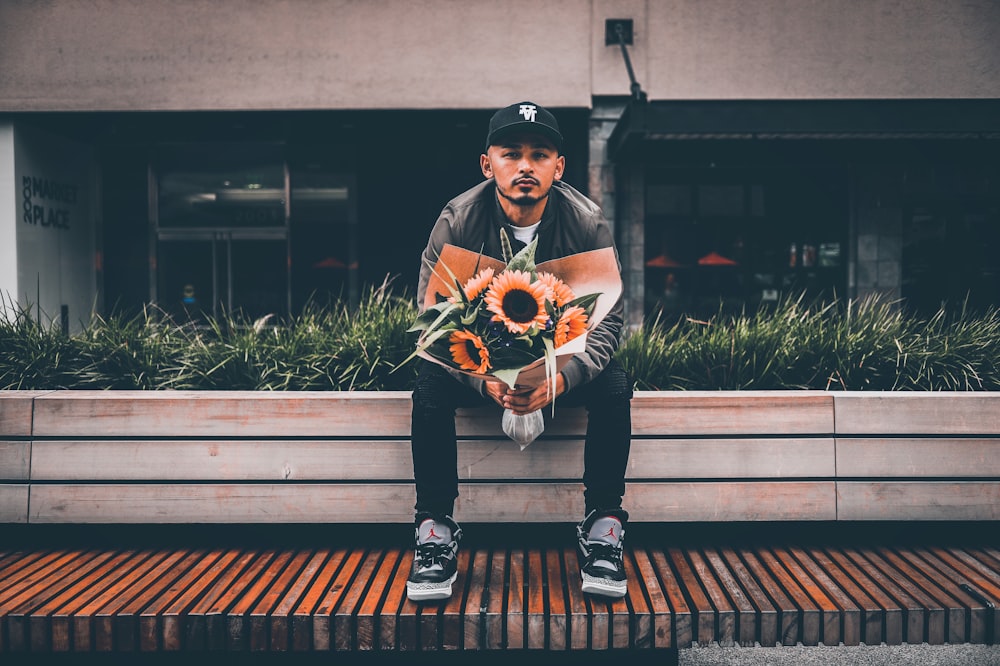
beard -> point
(525, 200)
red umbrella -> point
(715, 259)
(663, 261)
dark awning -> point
(643, 124)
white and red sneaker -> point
(435, 562)
(600, 536)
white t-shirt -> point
(526, 234)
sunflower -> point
(572, 323)
(516, 301)
(469, 352)
(559, 292)
(476, 285)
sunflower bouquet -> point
(513, 320)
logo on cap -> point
(528, 111)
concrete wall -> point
(805, 49)
(292, 54)
(348, 54)
(8, 213)
(56, 226)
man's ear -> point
(486, 166)
(560, 167)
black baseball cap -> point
(524, 117)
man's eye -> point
(540, 156)
(511, 155)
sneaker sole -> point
(607, 588)
(429, 591)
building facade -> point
(208, 156)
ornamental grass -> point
(866, 344)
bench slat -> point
(13, 503)
(14, 457)
(470, 608)
(391, 502)
(918, 500)
(885, 457)
(453, 623)
(747, 413)
(15, 412)
(387, 414)
(917, 413)
(555, 595)
(357, 460)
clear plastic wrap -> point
(523, 428)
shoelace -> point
(429, 553)
(598, 552)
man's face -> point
(524, 167)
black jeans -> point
(435, 451)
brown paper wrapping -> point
(595, 271)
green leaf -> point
(505, 248)
(508, 376)
(428, 318)
(586, 302)
(525, 259)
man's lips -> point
(525, 182)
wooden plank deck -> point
(511, 595)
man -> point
(523, 194)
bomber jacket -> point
(571, 223)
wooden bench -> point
(233, 457)
(315, 595)
(826, 465)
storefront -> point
(219, 157)
(738, 204)
(214, 213)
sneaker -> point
(435, 565)
(600, 536)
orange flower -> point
(572, 323)
(559, 292)
(516, 301)
(469, 352)
(476, 284)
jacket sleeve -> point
(603, 340)
(443, 233)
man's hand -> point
(524, 400)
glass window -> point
(324, 253)
(221, 187)
(751, 236)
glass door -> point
(220, 223)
